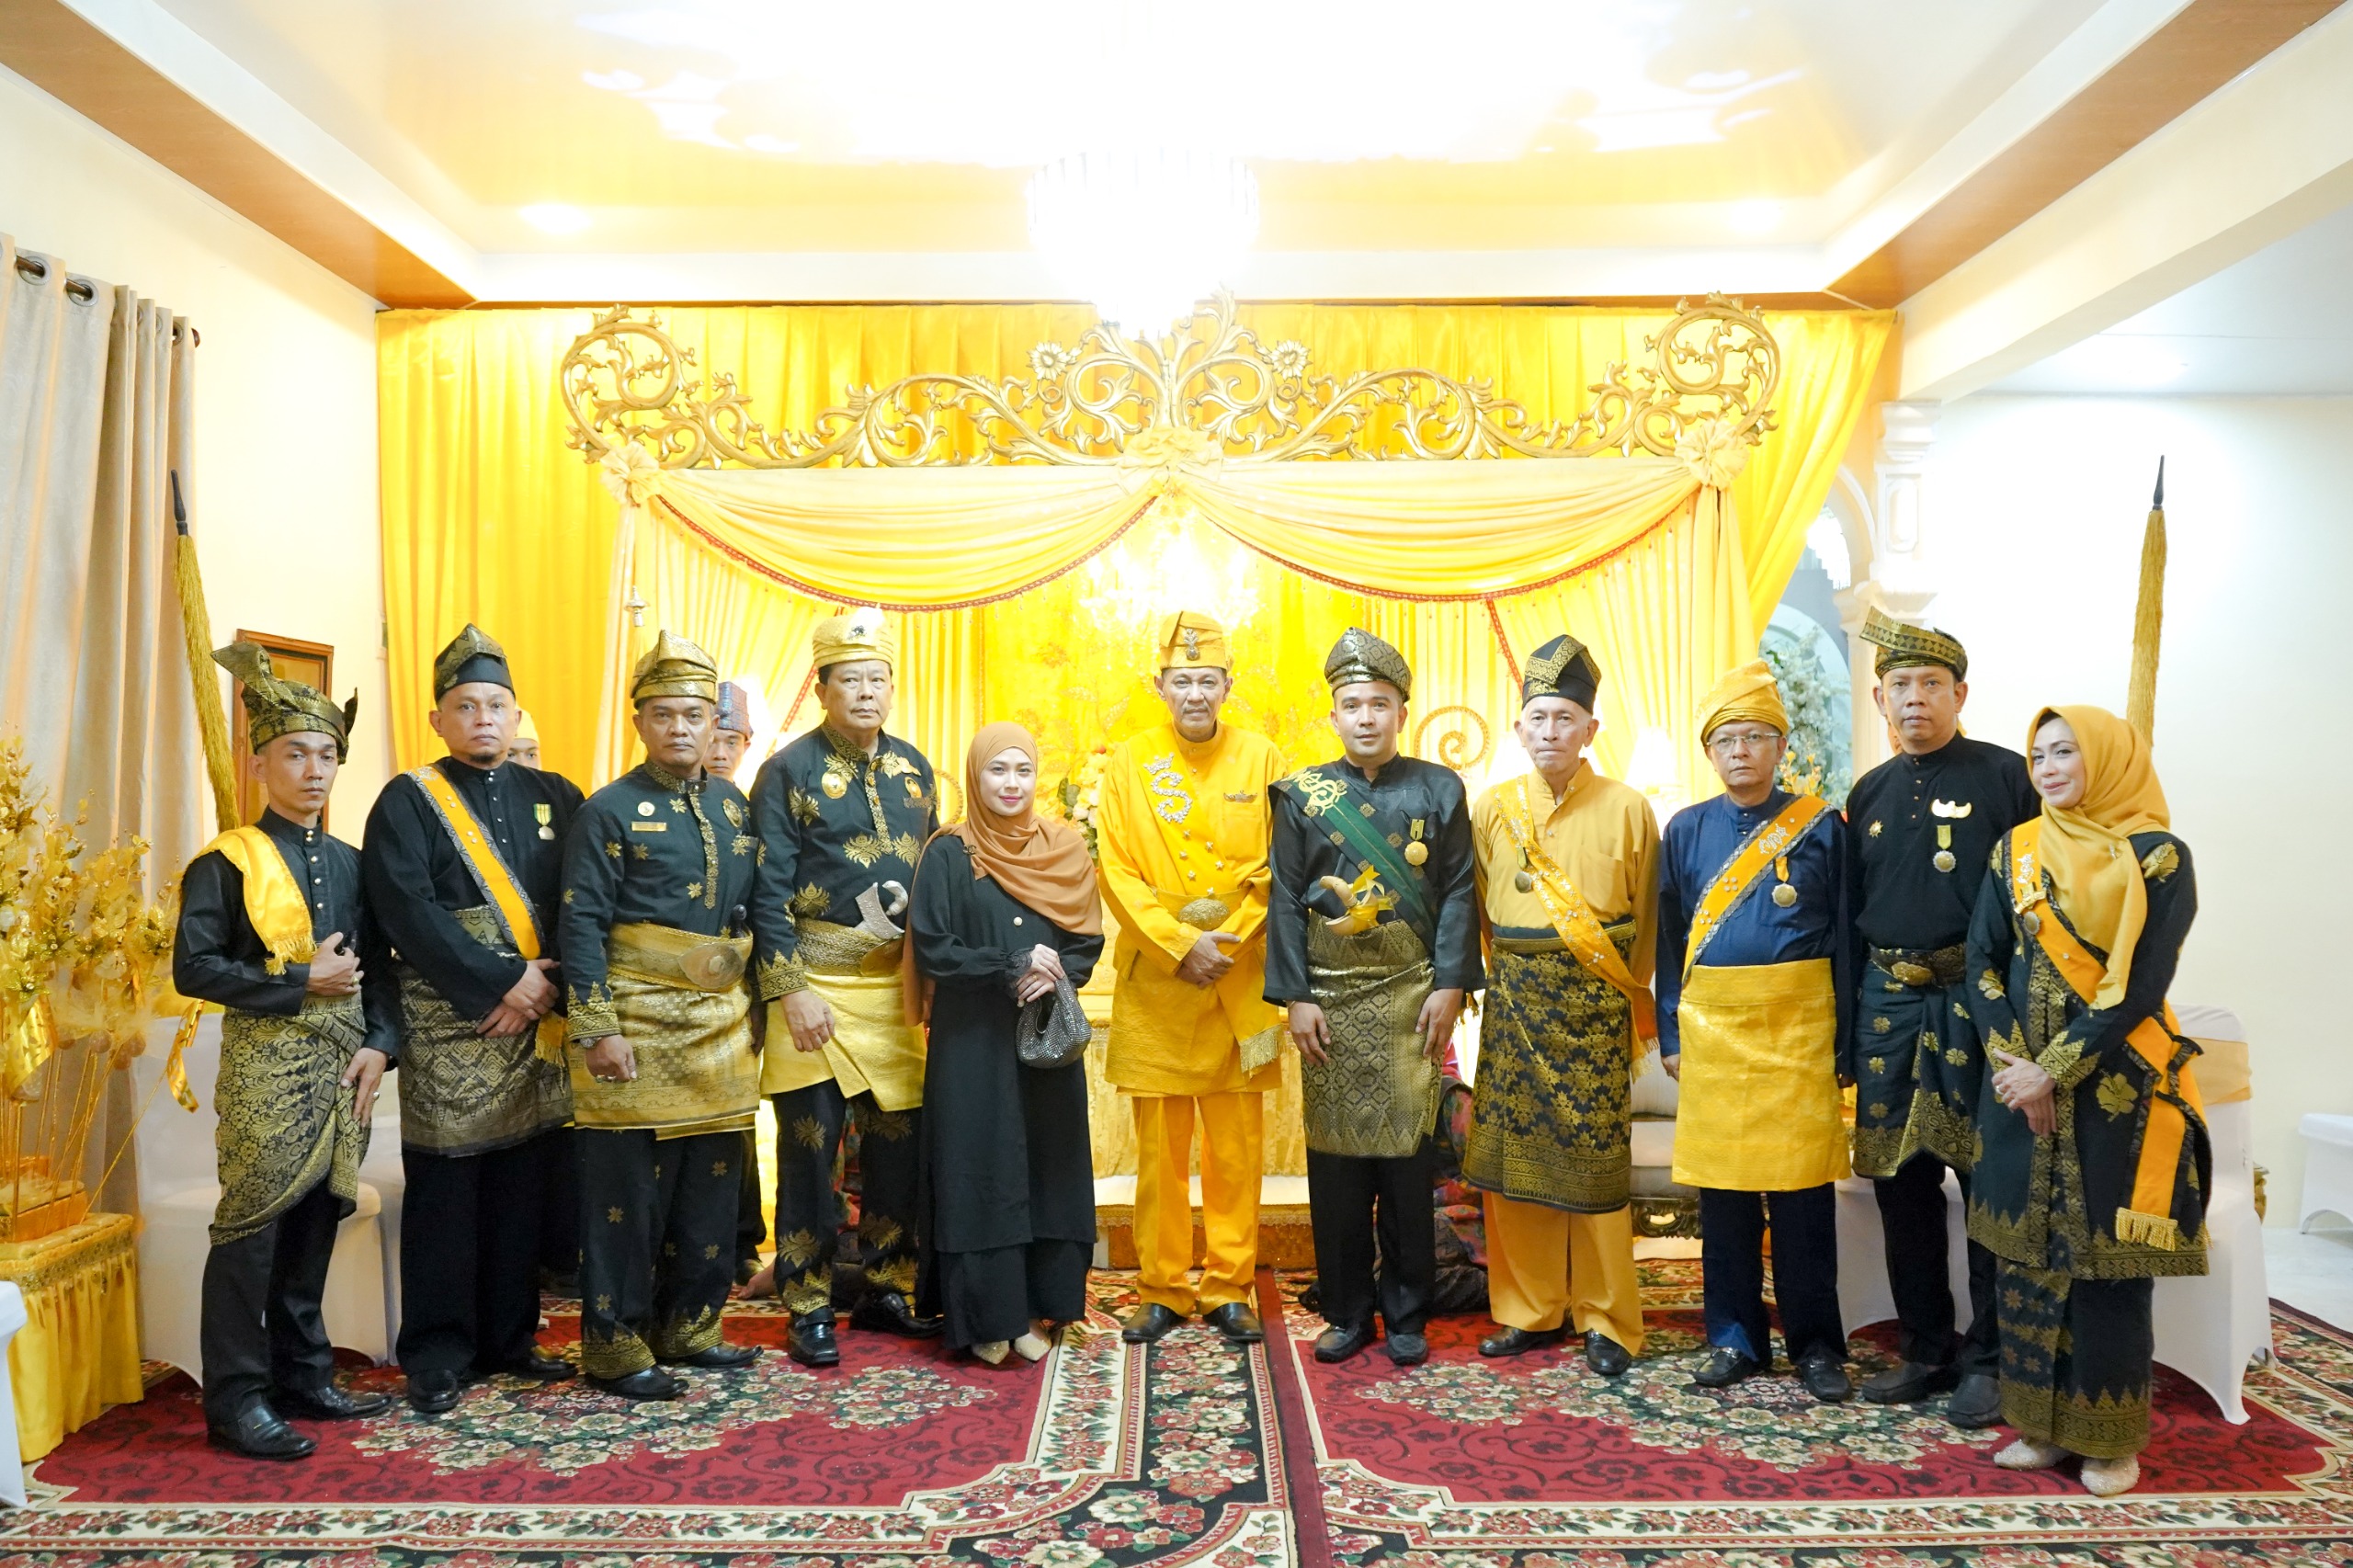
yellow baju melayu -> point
(1182, 829)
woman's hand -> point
(2026, 1088)
(1044, 971)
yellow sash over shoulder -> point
(2149, 1220)
(1745, 868)
(497, 883)
(1580, 929)
(280, 917)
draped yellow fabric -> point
(488, 516)
(78, 1351)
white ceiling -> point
(2277, 324)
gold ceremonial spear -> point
(2149, 618)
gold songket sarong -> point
(874, 1048)
(682, 1004)
(1376, 1098)
(463, 1092)
(1553, 1119)
(286, 1119)
(1759, 1108)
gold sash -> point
(680, 999)
(1747, 864)
(2149, 1220)
(874, 1049)
(1573, 917)
(280, 917)
(497, 882)
(1759, 1106)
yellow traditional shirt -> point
(1178, 822)
(1600, 832)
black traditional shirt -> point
(1899, 815)
(417, 879)
(218, 957)
(835, 821)
(1412, 800)
(654, 849)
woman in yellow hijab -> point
(2094, 1161)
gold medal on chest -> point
(2031, 921)
(1417, 853)
(1944, 860)
(645, 808)
(546, 814)
(835, 786)
(1523, 881)
(1784, 894)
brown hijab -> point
(1037, 860)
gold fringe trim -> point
(2136, 1228)
(2148, 620)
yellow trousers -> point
(1547, 1266)
(1233, 1158)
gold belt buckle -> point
(712, 966)
(1913, 973)
(1205, 914)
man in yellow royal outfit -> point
(1755, 974)
(1568, 882)
(1182, 832)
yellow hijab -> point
(2095, 876)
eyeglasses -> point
(1746, 740)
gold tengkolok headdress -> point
(674, 667)
(1189, 641)
(734, 710)
(275, 706)
(1748, 692)
(1562, 668)
(1899, 645)
(472, 654)
(1358, 655)
(858, 634)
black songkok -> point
(1358, 655)
(1562, 668)
(472, 655)
(1899, 645)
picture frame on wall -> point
(312, 664)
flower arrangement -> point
(1080, 794)
(84, 963)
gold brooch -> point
(1784, 894)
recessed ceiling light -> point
(1753, 218)
(554, 217)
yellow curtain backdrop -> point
(488, 516)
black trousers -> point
(560, 1206)
(809, 1125)
(1349, 1201)
(750, 1226)
(1912, 1212)
(657, 1223)
(261, 1326)
(469, 1256)
(1805, 1270)
(997, 1294)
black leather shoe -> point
(1148, 1324)
(720, 1358)
(653, 1384)
(259, 1434)
(810, 1342)
(1520, 1341)
(432, 1394)
(1725, 1366)
(1605, 1355)
(1339, 1344)
(1909, 1383)
(1407, 1350)
(1977, 1403)
(887, 1312)
(1237, 1323)
(1826, 1377)
(539, 1368)
(328, 1402)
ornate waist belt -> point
(688, 960)
(1619, 931)
(829, 949)
(1202, 910)
(1919, 967)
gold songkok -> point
(1562, 668)
(275, 706)
(674, 667)
(1901, 645)
(1747, 692)
(1191, 641)
(526, 728)
(1358, 655)
(472, 654)
(846, 639)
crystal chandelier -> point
(1143, 235)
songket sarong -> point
(1917, 1065)
(1554, 1117)
(1376, 1094)
(1759, 1108)
(874, 1049)
(2076, 1360)
(286, 1121)
(465, 1093)
(682, 1006)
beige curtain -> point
(95, 412)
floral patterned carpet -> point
(1198, 1452)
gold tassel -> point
(1262, 1048)
(196, 630)
(548, 1040)
(2148, 618)
(2136, 1228)
(175, 1065)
